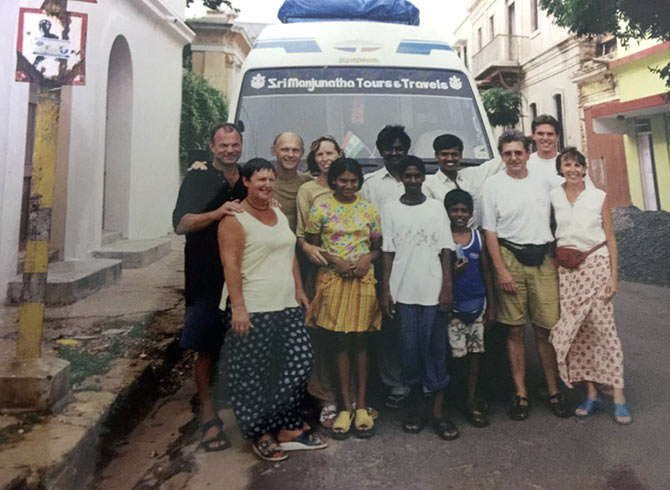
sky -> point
(443, 15)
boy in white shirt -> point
(380, 187)
(416, 247)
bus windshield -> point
(353, 104)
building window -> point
(605, 44)
(558, 103)
(511, 19)
(534, 20)
(533, 111)
(479, 38)
(492, 27)
(464, 53)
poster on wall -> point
(51, 50)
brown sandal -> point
(269, 450)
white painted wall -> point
(13, 120)
(156, 38)
(546, 76)
(549, 57)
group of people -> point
(321, 270)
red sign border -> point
(84, 28)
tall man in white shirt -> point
(546, 132)
(516, 215)
(451, 175)
(380, 187)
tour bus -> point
(349, 80)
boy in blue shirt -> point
(474, 303)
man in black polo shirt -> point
(205, 197)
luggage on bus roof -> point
(393, 11)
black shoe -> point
(395, 400)
(519, 408)
(477, 414)
(558, 406)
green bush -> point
(503, 106)
(202, 108)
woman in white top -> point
(587, 346)
(270, 352)
(322, 385)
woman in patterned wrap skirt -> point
(270, 353)
(587, 346)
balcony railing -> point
(502, 52)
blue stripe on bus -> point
(421, 47)
(290, 45)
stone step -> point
(109, 237)
(135, 253)
(53, 257)
(69, 281)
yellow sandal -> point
(342, 425)
(364, 423)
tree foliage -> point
(212, 4)
(503, 106)
(626, 19)
(202, 108)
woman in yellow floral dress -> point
(349, 230)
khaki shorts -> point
(536, 298)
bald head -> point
(290, 136)
(288, 148)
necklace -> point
(267, 206)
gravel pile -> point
(643, 239)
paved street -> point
(542, 453)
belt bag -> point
(527, 254)
(571, 258)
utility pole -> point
(33, 293)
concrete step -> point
(109, 237)
(71, 280)
(135, 253)
(53, 257)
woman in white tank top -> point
(270, 352)
(587, 346)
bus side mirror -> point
(240, 125)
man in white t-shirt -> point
(417, 286)
(515, 216)
(380, 187)
(451, 175)
(546, 131)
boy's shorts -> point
(536, 298)
(466, 338)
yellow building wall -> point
(634, 46)
(635, 80)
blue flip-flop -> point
(621, 411)
(590, 406)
